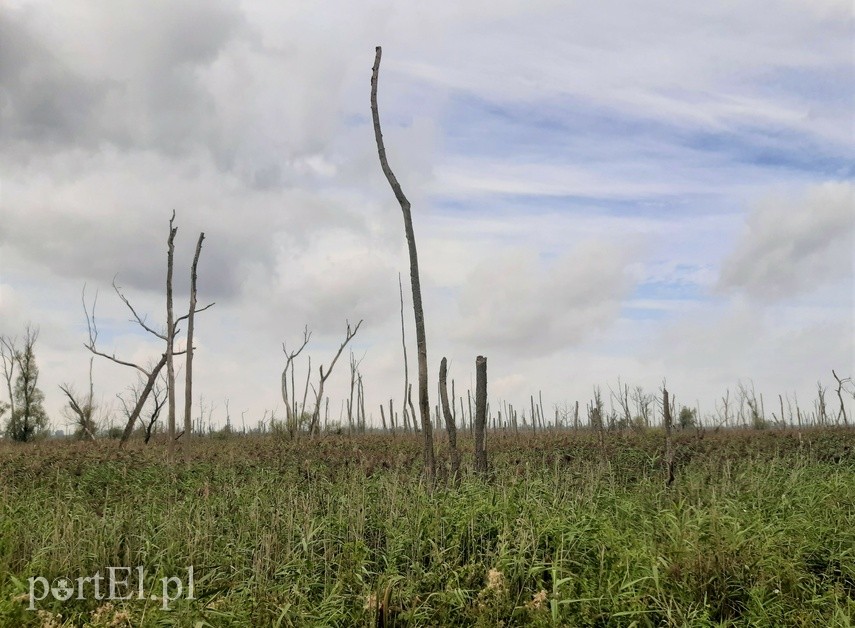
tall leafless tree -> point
(150, 374)
(418, 311)
(170, 337)
(188, 370)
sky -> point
(649, 191)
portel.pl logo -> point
(115, 585)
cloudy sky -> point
(643, 190)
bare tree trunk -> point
(418, 311)
(669, 445)
(170, 337)
(412, 409)
(480, 414)
(135, 413)
(449, 421)
(350, 399)
(188, 385)
(361, 395)
(404, 344)
(306, 389)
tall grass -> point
(757, 530)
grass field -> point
(758, 529)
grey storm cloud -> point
(134, 84)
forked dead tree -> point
(841, 383)
(148, 419)
(290, 403)
(168, 336)
(418, 311)
(82, 409)
(315, 425)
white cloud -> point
(792, 247)
(511, 301)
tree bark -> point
(480, 414)
(188, 385)
(135, 413)
(418, 311)
(449, 421)
(170, 336)
(404, 344)
(669, 445)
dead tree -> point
(170, 336)
(314, 427)
(404, 344)
(82, 411)
(622, 398)
(158, 397)
(349, 400)
(289, 363)
(188, 382)
(449, 421)
(412, 409)
(418, 311)
(149, 374)
(820, 404)
(840, 384)
(669, 445)
(643, 403)
(8, 355)
(360, 394)
(481, 415)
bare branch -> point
(315, 425)
(137, 317)
(289, 359)
(82, 411)
(8, 353)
